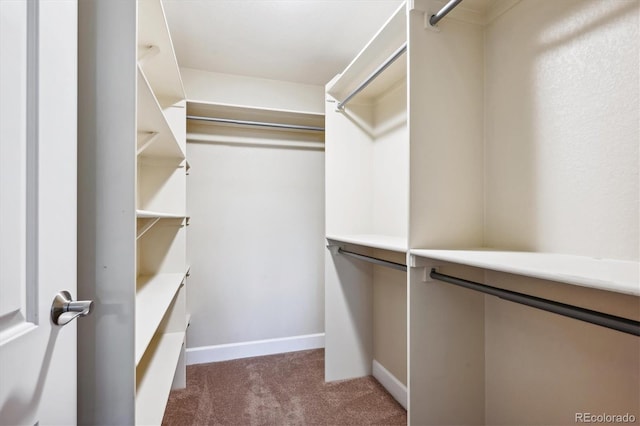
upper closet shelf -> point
(384, 242)
(155, 53)
(225, 114)
(605, 274)
(155, 136)
(388, 41)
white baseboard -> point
(390, 383)
(204, 354)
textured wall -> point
(562, 125)
(562, 137)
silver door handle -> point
(64, 309)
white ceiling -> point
(304, 41)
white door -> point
(38, 91)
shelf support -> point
(146, 141)
(146, 226)
(148, 52)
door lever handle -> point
(64, 309)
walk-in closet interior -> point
(454, 210)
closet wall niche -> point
(257, 149)
(497, 177)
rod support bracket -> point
(426, 273)
(334, 248)
(427, 22)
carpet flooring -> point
(283, 389)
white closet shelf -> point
(146, 220)
(153, 297)
(154, 384)
(155, 51)
(258, 114)
(384, 43)
(143, 214)
(155, 136)
(384, 242)
(618, 276)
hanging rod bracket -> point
(426, 273)
(334, 248)
(435, 18)
(421, 267)
(428, 25)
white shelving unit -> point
(382, 157)
(367, 209)
(160, 320)
(203, 131)
(367, 155)
(132, 255)
(444, 151)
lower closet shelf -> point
(618, 276)
(154, 376)
(153, 298)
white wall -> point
(562, 128)
(256, 236)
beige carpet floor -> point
(283, 389)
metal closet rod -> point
(388, 263)
(434, 19)
(613, 322)
(256, 123)
(391, 59)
